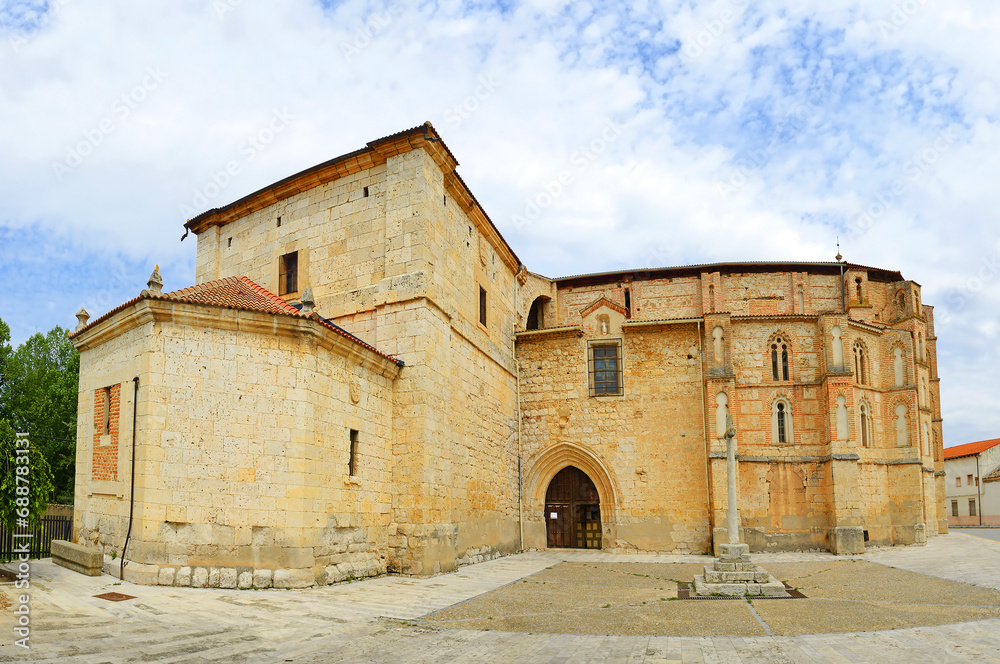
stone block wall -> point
(243, 451)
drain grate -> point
(684, 592)
(114, 597)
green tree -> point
(38, 395)
(23, 493)
(5, 352)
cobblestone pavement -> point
(377, 620)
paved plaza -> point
(914, 604)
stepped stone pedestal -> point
(734, 574)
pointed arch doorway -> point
(572, 511)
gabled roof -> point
(240, 293)
(603, 302)
(970, 449)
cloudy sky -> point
(692, 132)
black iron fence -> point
(39, 545)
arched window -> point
(721, 410)
(718, 350)
(865, 415)
(920, 345)
(897, 366)
(779, 359)
(901, 301)
(860, 364)
(857, 285)
(902, 434)
(782, 424)
(842, 426)
(711, 299)
(781, 421)
(536, 320)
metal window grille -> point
(972, 507)
(954, 508)
(605, 369)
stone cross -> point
(734, 519)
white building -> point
(972, 483)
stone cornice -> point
(376, 153)
(550, 332)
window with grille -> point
(954, 508)
(288, 273)
(972, 507)
(605, 360)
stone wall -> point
(822, 487)
(243, 448)
(402, 268)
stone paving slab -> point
(373, 621)
(614, 598)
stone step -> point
(772, 588)
(734, 567)
(715, 576)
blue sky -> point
(694, 132)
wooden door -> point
(572, 511)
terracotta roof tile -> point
(242, 294)
(970, 449)
(232, 293)
(994, 476)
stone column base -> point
(735, 574)
(847, 540)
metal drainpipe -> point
(517, 377)
(131, 496)
(979, 495)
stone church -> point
(365, 379)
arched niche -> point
(539, 474)
(536, 314)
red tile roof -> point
(239, 293)
(232, 293)
(970, 449)
(993, 477)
